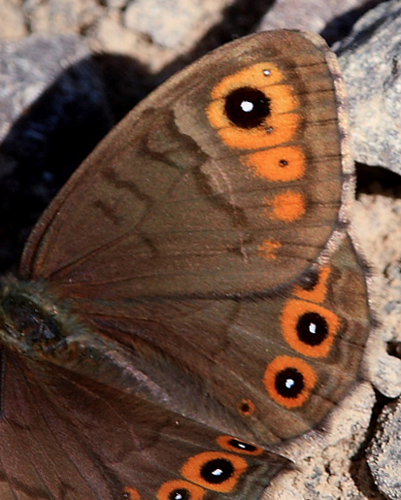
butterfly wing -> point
(65, 437)
(173, 237)
(196, 243)
(182, 200)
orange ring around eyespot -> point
(193, 466)
(290, 316)
(319, 291)
(132, 492)
(278, 130)
(224, 442)
(281, 363)
(197, 493)
(279, 127)
(249, 405)
(267, 163)
(259, 75)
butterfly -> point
(192, 298)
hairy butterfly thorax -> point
(193, 295)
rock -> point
(173, 23)
(330, 18)
(51, 118)
(116, 4)
(374, 219)
(370, 60)
(384, 453)
(322, 460)
(12, 24)
(61, 16)
(25, 73)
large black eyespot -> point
(247, 107)
(240, 445)
(312, 328)
(217, 471)
(289, 383)
(179, 494)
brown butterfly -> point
(192, 296)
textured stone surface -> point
(12, 23)
(385, 453)
(323, 459)
(330, 17)
(369, 59)
(61, 16)
(173, 22)
(25, 73)
(52, 112)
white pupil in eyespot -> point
(217, 472)
(312, 328)
(246, 106)
(240, 445)
(289, 383)
(178, 496)
(267, 72)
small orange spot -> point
(231, 468)
(268, 249)
(226, 442)
(196, 492)
(246, 407)
(319, 291)
(288, 206)
(292, 312)
(132, 493)
(281, 164)
(259, 75)
(282, 363)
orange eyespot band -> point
(308, 328)
(246, 407)
(277, 130)
(278, 123)
(279, 164)
(132, 493)
(260, 75)
(290, 381)
(319, 292)
(238, 446)
(178, 485)
(288, 206)
(214, 470)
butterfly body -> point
(192, 297)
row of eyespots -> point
(310, 329)
(254, 109)
(210, 470)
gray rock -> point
(172, 23)
(12, 24)
(370, 60)
(52, 112)
(329, 17)
(61, 16)
(28, 66)
(384, 453)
